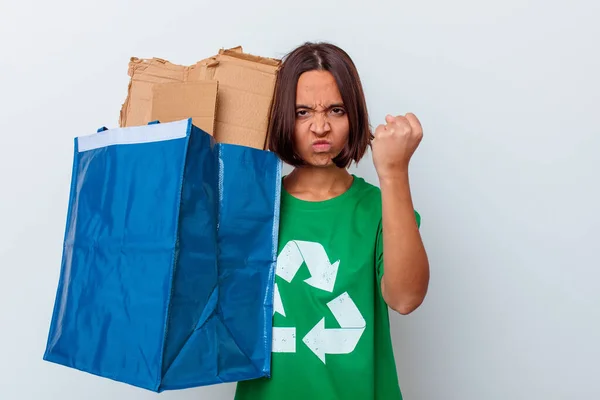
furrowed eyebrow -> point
(304, 106)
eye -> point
(301, 113)
(338, 111)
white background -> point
(506, 178)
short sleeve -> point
(379, 252)
(418, 219)
(379, 246)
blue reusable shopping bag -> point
(169, 258)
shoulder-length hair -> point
(323, 57)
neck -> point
(318, 184)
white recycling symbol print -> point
(323, 274)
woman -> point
(335, 281)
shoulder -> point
(366, 190)
(367, 195)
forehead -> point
(316, 87)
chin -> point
(320, 160)
(322, 163)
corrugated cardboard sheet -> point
(244, 88)
(181, 100)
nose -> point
(320, 126)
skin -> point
(320, 116)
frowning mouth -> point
(321, 145)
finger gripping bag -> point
(168, 260)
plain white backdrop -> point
(506, 178)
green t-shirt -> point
(331, 335)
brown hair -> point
(324, 57)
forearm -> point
(406, 267)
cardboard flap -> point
(182, 100)
(244, 94)
(249, 57)
(236, 49)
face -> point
(322, 126)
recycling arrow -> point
(277, 303)
(284, 339)
(341, 340)
(322, 271)
(323, 275)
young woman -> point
(348, 250)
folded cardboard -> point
(245, 88)
(145, 74)
(181, 100)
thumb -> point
(389, 119)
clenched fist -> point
(394, 144)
